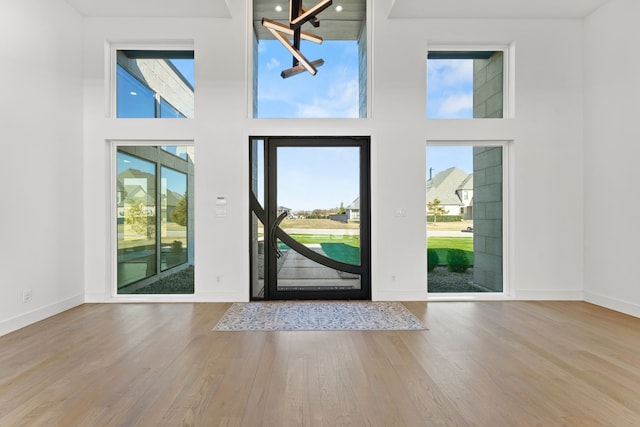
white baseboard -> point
(26, 319)
(142, 298)
(612, 303)
(417, 295)
(548, 295)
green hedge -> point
(433, 260)
(457, 261)
(446, 218)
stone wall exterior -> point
(488, 86)
(487, 221)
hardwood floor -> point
(480, 363)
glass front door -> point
(310, 218)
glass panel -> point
(296, 272)
(155, 84)
(155, 238)
(136, 211)
(332, 93)
(318, 188)
(173, 218)
(464, 219)
(257, 257)
(168, 111)
(465, 85)
(134, 99)
(337, 90)
(177, 150)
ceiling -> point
(501, 9)
(553, 9)
(334, 25)
(152, 8)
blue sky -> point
(333, 92)
(317, 177)
(449, 89)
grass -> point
(443, 244)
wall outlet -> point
(27, 296)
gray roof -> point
(355, 205)
(445, 184)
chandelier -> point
(298, 15)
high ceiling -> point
(400, 9)
(507, 9)
(334, 25)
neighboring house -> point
(454, 188)
(353, 210)
(282, 209)
(135, 185)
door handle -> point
(272, 234)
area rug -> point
(318, 316)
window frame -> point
(507, 213)
(508, 82)
(114, 146)
(111, 63)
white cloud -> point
(450, 72)
(342, 100)
(455, 105)
(273, 63)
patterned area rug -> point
(318, 316)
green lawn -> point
(442, 244)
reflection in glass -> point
(134, 99)
(136, 206)
(169, 111)
(155, 220)
(173, 219)
(153, 84)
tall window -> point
(152, 83)
(465, 84)
(154, 196)
(338, 90)
(465, 234)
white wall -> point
(41, 245)
(611, 157)
(546, 255)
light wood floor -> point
(481, 363)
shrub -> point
(457, 261)
(432, 259)
(445, 218)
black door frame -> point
(268, 215)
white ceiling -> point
(152, 8)
(511, 9)
(400, 8)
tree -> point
(341, 209)
(436, 209)
(141, 218)
(179, 216)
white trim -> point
(111, 60)
(112, 258)
(507, 209)
(549, 295)
(26, 319)
(616, 304)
